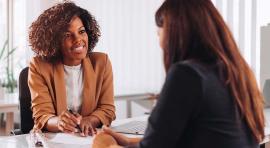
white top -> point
(74, 86)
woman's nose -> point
(77, 38)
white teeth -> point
(78, 48)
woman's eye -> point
(67, 35)
(82, 31)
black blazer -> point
(196, 110)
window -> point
(13, 35)
(241, 17)
(3, 36)
(3, 22)
(20, 38)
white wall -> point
(129, 37)
(242, 19)
(264, 28)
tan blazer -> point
(48, 93)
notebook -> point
(132, 127)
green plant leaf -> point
(3, 49)
(9, 81)
(10, 52)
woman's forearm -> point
(51, 124)
(132, 142)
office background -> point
(129, 38)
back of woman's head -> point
(194, 30)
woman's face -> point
(74, 43)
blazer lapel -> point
(89, 89)
(60, 88)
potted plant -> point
(7, 79)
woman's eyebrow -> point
(81, 27)
(68, 31)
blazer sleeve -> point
(42, 105)
(175, 109)
(105, 106)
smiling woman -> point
(66, 74)
(75, 43)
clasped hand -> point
(70, 123)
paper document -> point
(65, 138)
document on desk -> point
(65, 138)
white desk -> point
(138, 98)
(20, 141)
(9, 105)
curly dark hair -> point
(46, 33)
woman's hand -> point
(88, 125)
(67, 122)
(120, 138)
(104, 140)
(107, 138)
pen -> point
(77, 126)
(37, 138)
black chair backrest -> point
(27, 122)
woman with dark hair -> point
(210, 98)
(66, 74)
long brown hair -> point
(194, 29)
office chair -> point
(27, 122)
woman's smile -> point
(78, 49)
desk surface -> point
(21, 141)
